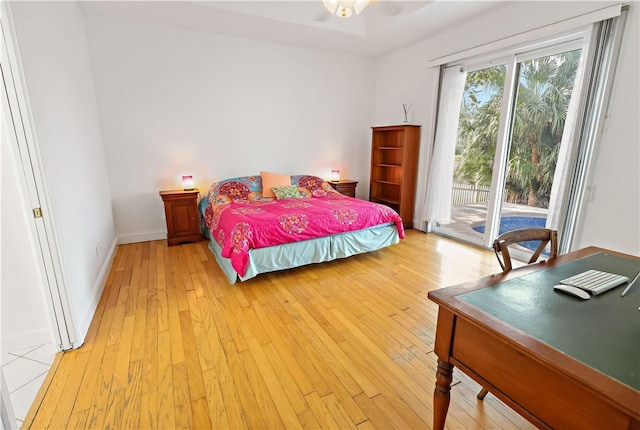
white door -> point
(36, 232)
(509, 135)
(17, 134)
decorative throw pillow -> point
(287, 192)
(270, 180)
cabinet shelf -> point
(380, 181)
(394, 167)
(386, 200)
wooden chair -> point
(544, 235)
(501, 247)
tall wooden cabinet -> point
(394, 168)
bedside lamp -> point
(187, 183)
(335, 174)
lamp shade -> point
(187, 183)
(335, 174)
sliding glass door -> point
(509, 143)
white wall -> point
(174, 101)
(403, 77)
(52, 42)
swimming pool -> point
(508, 223)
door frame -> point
(7, 415)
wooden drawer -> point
(345, 186)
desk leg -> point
(441, 395)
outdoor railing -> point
(464, 194)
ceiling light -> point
(345, 8)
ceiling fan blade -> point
(322, 17)
(389, 8)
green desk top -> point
(602, 332)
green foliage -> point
(544, 91)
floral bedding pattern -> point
(240, 219)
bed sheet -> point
(241, 225)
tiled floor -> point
(24, 372)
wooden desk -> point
(557, 360)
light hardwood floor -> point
(336, 345)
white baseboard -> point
(143, 236)
(84, 321)
(96, 292)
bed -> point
(306, 221)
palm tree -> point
(544, 91)
(478, 125)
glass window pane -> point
(545, 86)
(475, 150)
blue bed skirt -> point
(318, 250)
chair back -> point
(544, 235)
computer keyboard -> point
(595, 281)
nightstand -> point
(181, 213)
(345, 186)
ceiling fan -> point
(346, 8)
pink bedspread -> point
(242, 225)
